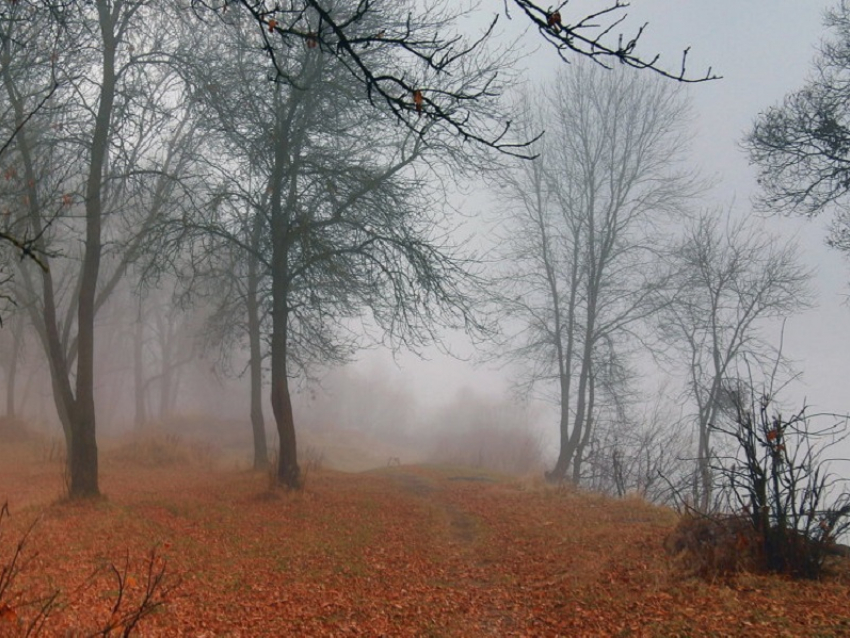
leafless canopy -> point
(598, 36)
(427, 51)
(802, 146)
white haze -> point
(763, 49)
(414, 405)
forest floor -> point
(402, 551)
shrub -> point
(21, 613)
(785, 510)
(716, 545)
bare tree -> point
(11, 122)
(101, 158)
(584, 236)
(731, 278)
(327, 201)
(573, 34)
(802, 147)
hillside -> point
(403, 551)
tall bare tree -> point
(102, 160)
(328, 199)
(585, 230)
(731, 278)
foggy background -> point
(418, 408)
(764, 50)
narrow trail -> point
(461, 524)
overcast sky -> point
(763, 49)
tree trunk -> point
(82, 453)
(288, 472)
(563, 352)
(587, 431)
(166, 355)
(704, 463)
(141, 416)
(176, 378)
(559, 472)
(568, 452)
(258, 425)
(12, 368)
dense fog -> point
(219, 235)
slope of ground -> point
(408, 551)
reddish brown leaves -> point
(401, 552)
(7, 615)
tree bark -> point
(82, 453)
(288, 472)
(12, 368)
(285, 168)
(141, 416)
(587, 430)
(258, 425)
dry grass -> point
(154, 448)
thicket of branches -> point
(783, 505)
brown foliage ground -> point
(405, 551)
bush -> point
(710, 546)
(21, 613)
(785, 510)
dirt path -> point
(462, 526)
